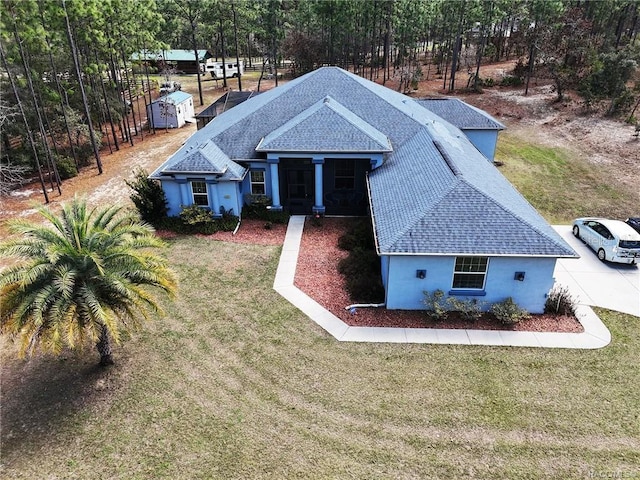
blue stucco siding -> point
(230, 197)
(405, 289)
(227, 195)
(484, 140)
(174, 197)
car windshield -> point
(629, 243)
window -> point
(470, 272)
(345, 178)
(257, 182)
(200, 195)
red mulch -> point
(256, 232)
(317, 275)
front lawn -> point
(236, 383)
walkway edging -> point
(595, 335)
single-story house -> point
(182, 60)
(225, 102)
(171, 111)
(331, 142)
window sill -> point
(467, 293)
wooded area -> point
(70, 90)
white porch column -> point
(275, 183)
(318, 207)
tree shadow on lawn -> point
(42, 393)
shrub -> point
(508, 312)
(487, 82)
(359, 261)
(560, 301)
(361, 268)
(148, 197)
(470, 308)
(358, 236)
(255, 207)
(66, 167)
(197, 220)
(361, 271)
(437, 305)
(365, 289)
(512, 81)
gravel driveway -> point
(610, 285)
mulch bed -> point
(251, 231)
(317, 275)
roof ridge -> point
(369, 85)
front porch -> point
(325, 186)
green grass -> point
(562, 186)
(235, 383)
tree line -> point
(70, 90)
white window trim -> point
(263, 183)
(196, 194)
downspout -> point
(363, 305)
(235, 230)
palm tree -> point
(82, 278)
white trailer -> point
(230, 70)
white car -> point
(612, 240)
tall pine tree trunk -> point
(235, 34)
(26, 123)
(74, 55)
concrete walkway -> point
(595, 335)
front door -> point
(297, 185)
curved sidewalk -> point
(595, 335)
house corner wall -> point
(485, 141)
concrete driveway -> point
(610, 285)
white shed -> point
(171, 111)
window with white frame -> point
(257, 182)
(200, 194)
(470, 272)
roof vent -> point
(448, 160)
(326, 99)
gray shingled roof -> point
(434, 194)
(461, 114)
(326, 126)
(207, 158)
